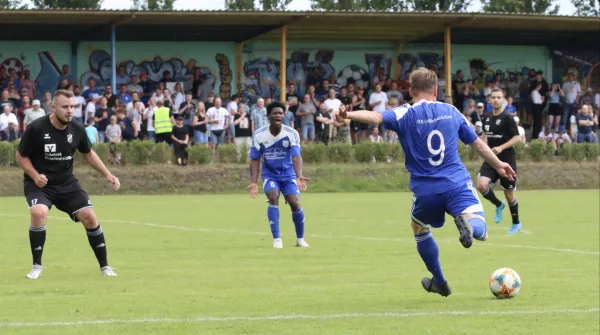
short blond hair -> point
(63, 93)
(423, 80)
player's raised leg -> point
(464, 205)
(513, 205)
(487, 176)
(96, 239)
(37, 238)
(298, 217)
(428, 211)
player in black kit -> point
(502, 134)
(46, 155)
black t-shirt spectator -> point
(208, 105)
(180, 132)
(104, 123)
(188, 110)
(322, 127)
(584, 129)
(346, 100)
(244, 127)
(112, 101)
(543, 91)
(202, 127)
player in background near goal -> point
(502, 133)
(279, 147)
(429, 132)
(46, 155)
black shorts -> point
(69, 198)
(554, 109)
(489, 172)
(358, 126)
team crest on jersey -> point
(498, 122)
(70, 138)
(286, 144)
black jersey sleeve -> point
(84, 144)
(511, 127)
(26, 146)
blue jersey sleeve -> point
(295, 144)
(255, 150)
(466, 133)
(391, 117)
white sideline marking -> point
(349, 237)
(207, 319)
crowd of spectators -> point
(561, 112)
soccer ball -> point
(505, 283)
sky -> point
(566, 7)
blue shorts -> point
(286, 186)
(430, 210)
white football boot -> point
(108, 271)
(36, 271)
(301, 243)
(277, 243)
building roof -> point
(303, 26)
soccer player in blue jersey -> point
(429, 132)
(279, 147)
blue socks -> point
(273, 215)
(298, 218)
(428, 249)
(479, 226)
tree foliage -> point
(154, 4)
(587, 7)
(391, 5)
(12, 4)
(521, 6)
(52, 4)
(274, 4)
(239, 4)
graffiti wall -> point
(42, 62)
(311, 64)
(584, 63)
(181, 60)
(481, 63)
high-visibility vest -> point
(162, 121)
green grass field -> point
(204, 265)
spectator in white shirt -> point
(90, 109)
(32, 114)
(537, 109)
(7, 117)
(333, 104)
(148, 117)
(79, 105)
(572, 92)
(378, 102)
(521, 130)
(232, 109)
(134, 86)
(218, 118)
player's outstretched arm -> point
(363, 116)
(97, 164)
(504, 169)
(254, 169)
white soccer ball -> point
(505, 283)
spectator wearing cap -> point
(180, 137)
(232, 109)
(477, 115)
(31, 114)
(572, 92)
